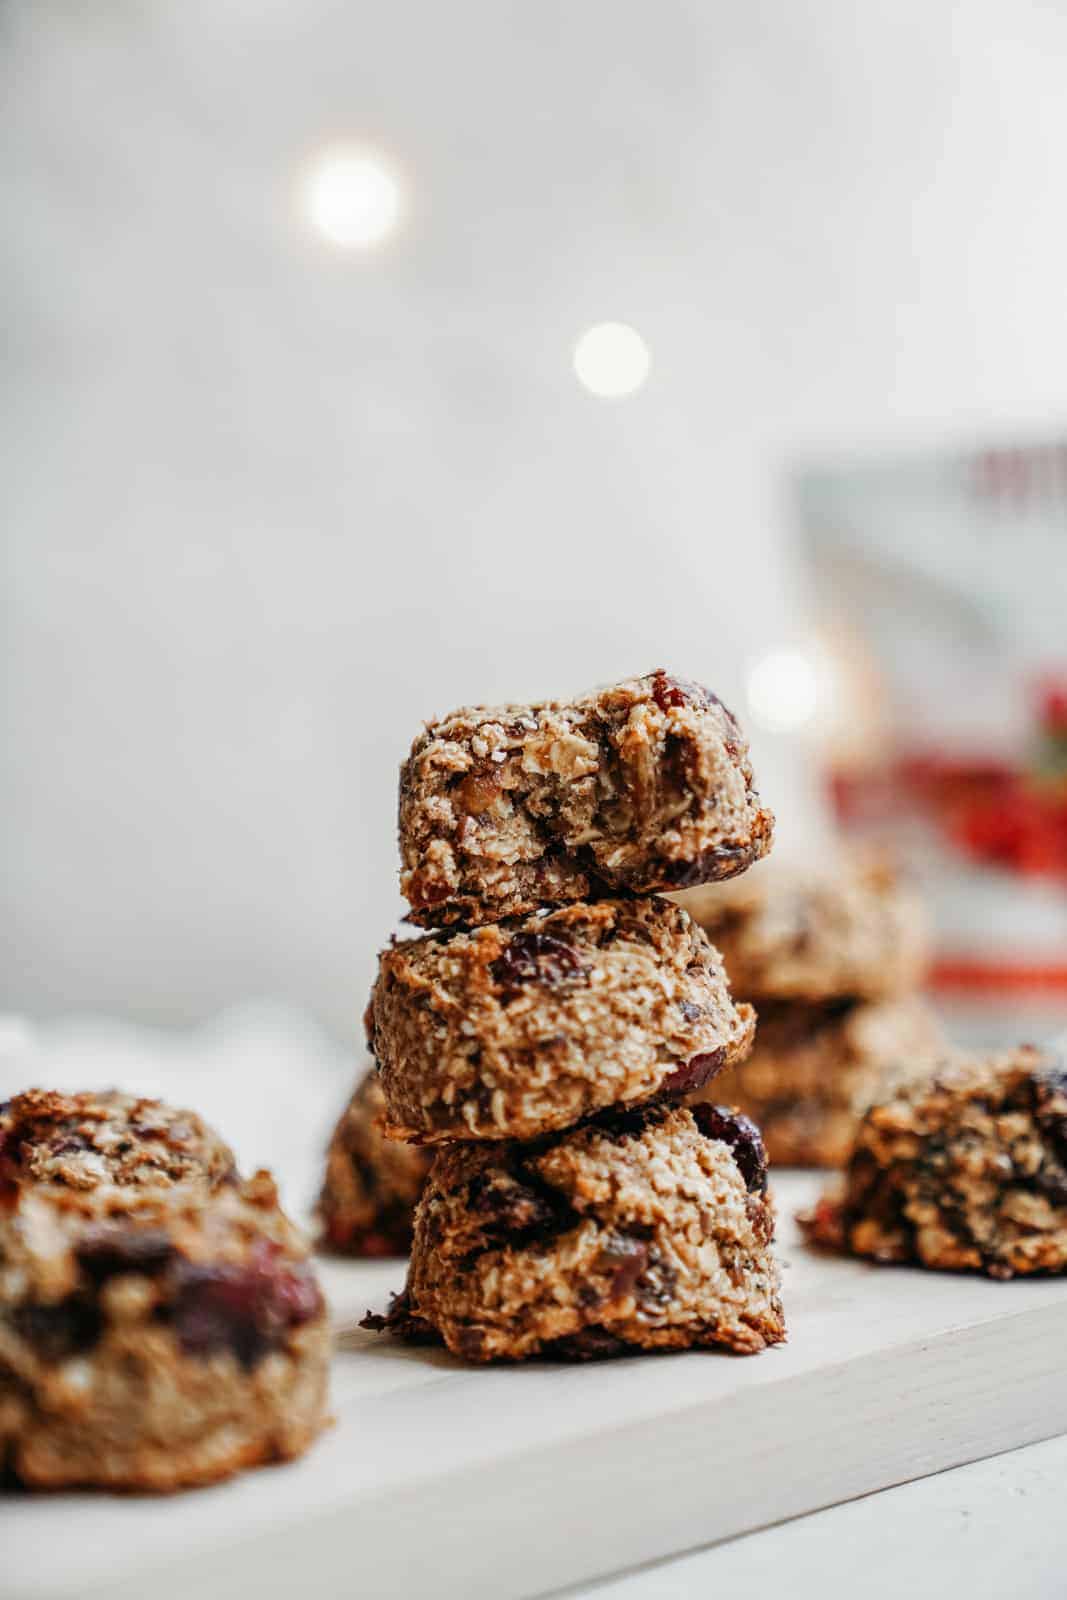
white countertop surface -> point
(986, 1531)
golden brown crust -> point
(857, 932)
(813, 1069)
(643, 786)
(645, 1230)
(516, 1029)
(371, 1184)
(963, 1169)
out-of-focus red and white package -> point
(940, 588)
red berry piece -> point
(743, 1137)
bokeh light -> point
(611, 360)
(783, 691)
(352, 197)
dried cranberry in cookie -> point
(743, 1138)
(242, 1308)
(642, 786)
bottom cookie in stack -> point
(814, 1068)
(963, 1169)
(639, 1230)
(372, 1184)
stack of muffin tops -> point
(833, 959)
(543, 1038)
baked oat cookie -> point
(160, 1325)
(963, 1169)
(517, 1028)
(367, 1204)
(641, 1230)
(642, 786)
(814, 1068)
(856, 932)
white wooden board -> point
(446, 1480)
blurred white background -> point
(271, 499)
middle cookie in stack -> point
(576, 1207)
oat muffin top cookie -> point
(154, 1335)
(963, 1168)
(512, 1029)
(642, 1230)
(642, 786)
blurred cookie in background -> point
(815, 1067)
(962, 1169)
(372, 1184)
(856, 931)
(160, 1321)
(832, 957)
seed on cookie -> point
(641, 1230)
(963, 1169)
(643, 786)
(518, 1028)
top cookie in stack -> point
(640, 787)
(545, 1033)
